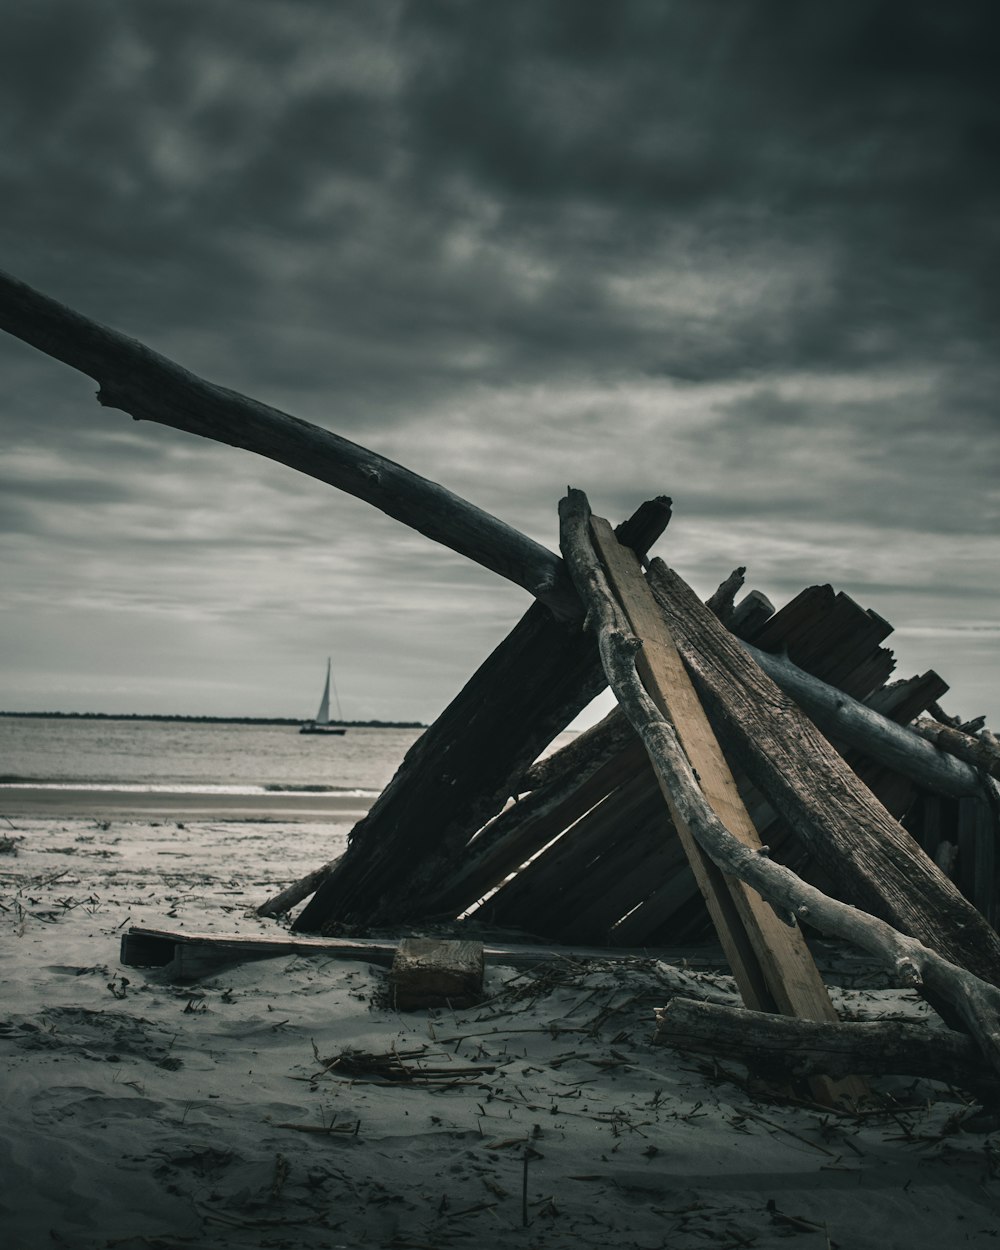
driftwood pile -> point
(586, 851)
(762, 771)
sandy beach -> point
(286, 1103)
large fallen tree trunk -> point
(783, 1048)
(974, 1000)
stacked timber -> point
(578, 845)
(586, 850)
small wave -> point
(127, 787)
(306, 788)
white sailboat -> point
(321, 723)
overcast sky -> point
(741, 253)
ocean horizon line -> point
(174, 717)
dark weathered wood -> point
(825, 633)
(979, 753)
(973, 1000)
(150, 387)
(976, 863)
(283, 902)
(436, 972)
(522, 830)
(181, 953)
(874, 861)
(602, 741)
(785, 1047)
(722, 600)
(750, 615)
(901, 701)
(461, 771)
(855, 724)
(657, 912)
(546, 895)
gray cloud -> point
(740, 254)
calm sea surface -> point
(167, 755)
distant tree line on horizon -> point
(214, 720)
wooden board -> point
(771, 962)
(184, 956)
(770, 959)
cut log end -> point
(432, 972)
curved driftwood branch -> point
(150, 387)
(974, 1000)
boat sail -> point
(321, 724)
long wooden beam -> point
(150, 387)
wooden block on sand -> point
(433, 972)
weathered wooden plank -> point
(825, 633)
(778, 955)
(159, 948)
(657, 913)
(873, 860)
(901, 701)
(524, 828)
(582, 863)
(976, 865)
(750, 615)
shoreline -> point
(44, 801)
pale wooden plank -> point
(770, 959)
(778, 950)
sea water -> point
(194, 756)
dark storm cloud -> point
(867, 129)
(452, 176)
(739, 253)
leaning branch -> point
(857, 725)
(979, 752)
(975, 1001)
(150, 387)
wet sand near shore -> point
(121, 804)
